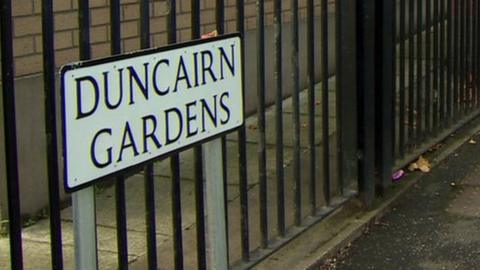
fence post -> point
(10, 140)
(385, 91)
(346, 94)
(366, 55)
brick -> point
(231, 27)
(62, 5)
(230, 13)
(184, 35)
(23, 26)
(250, 24)
(129, 29)
(159, 40)
(130, 12)
(158, 25)
(183, 21)
(99, 34)
(76, 38)
(63, 40)
(66, 20)
(37, 6)
(131, 44)
(208, 4)
(250, 10)
(101, 50)
(63, 57)
(22, 8)
(207, 17)
(99, 16)
(28, 65)
(23, 46)
(160, 8)
(184, 6)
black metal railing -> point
(387, 97)
(437, 56)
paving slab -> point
(433, 226)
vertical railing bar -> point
(296, 115)
(440, 66)
(242, 153)
(462, 62)
(477, 77)
(419, 93)
(262, 155)
(462, 66)
(144, 24)
(346, 93)
(198, 169)
(120, 204)
(84, 25)
(402, 78)
(121, 217)
(455, 59)
(449, 87)
(176, 212)
(411, 78)
(277, 24)
(220, 27)
(325, 98)
(242, 150)
(468, 56)
(475, 53)
(436, 93)
(384, 92)
(393, 97)
(366, 95)
(115, 38)
(51, 130)
(150, 217)
(473, 58)
(9, 116)
(311, 107)
(175, 161)
(428, 66)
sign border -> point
(130, 170)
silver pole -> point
(84, 227)
(216, 225)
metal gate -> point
(339, 93)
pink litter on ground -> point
(397, 175)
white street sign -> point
(121, 111)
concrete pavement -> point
(435, 225)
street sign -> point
(121, 111)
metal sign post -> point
(85, 235)
(216, 225)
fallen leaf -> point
(412, 167)
(214, 33)
(421, 164)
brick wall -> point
(27, 26)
